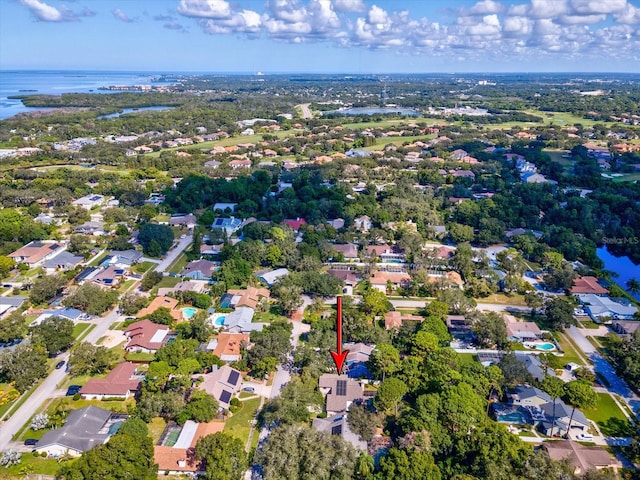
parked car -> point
(248, 389)
(72, 390)
(60, 364)
(30, 442)
(584, 436)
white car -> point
(584, 436)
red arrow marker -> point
(340, 356)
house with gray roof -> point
(600, 307)
(83, 429)
(337, 425)
(10, 303)
(63, 261)
(269, 277)
(124, 258)
(241, 321)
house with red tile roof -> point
(146, 336)
(588, 285)
(158, 302)
(380, 280)
(295, 224)
(249, 297)
(227, 346)
(122, 382)
(395, 319)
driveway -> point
(173, 254)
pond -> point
(622, 266)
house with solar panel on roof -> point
(223, 384)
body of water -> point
(623, 266)
(375, 111)
(132, 110)
(45, 82)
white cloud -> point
(579, 19)
(120, 15)
(485, 7)
(547, 8)
(518, 26)
(630, 15)
(349, 6)
(247, 22)
(591, 7)
(204, 8)
(45, 12)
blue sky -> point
(346, 36)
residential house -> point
(213, 250)
(518, 331)
(295, 224)
(626, 327)
(382, 280)
(37, 252)
(187, 286)
(395, 319)
(363, 224)
(349, 251)
(109, 276)
(588, 285)
(122, 382)
(177, 461)
(229, 225)
(227, 346)
(337, 425)
(222, 384)
(183, 220)
(581, 458)
(357, 358)
(534, 366)
(269, 277)
(339, 392)
(249, 297)
(63, 261)
(239, 164)
(146, 336)
(9, 304)
(158, 302)
(91, 228)
(241, 321)
(89, 201)
(386, 253)
(199, 270)
(82, 430)
(599, 307)
(123, 258)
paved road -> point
(604, 368)
(493, 307)
(306, 112)
(173, 254)
(47, 388)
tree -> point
(46, 288)
(560, 278)
(389, 395)
(385, 359)
(88, 359)
(458, 303)
(6, 265)
(374, 302)
(559, 313)
(633, 286)
(128, 455)
(131, 303)
(55, 333)
(579, 394)
(491, 330)
(201, 407)
(362, 421)
(150, 280)
(401, 464)
(24, 365)
(162, 315)
(12, 326)
(514, 370)
(92, 299)
(309, 455)
(290, 296)
(223, 455)
(555, 388)
(39, 421)
(534, 300)
(158, 237)
(10, 457)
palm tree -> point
(554, 387)
(633, 286)
(579, 394)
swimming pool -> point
(545, 346)
(219, 322)
(511, 417)
(189, 312)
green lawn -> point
(30, 464)
(139, 357)
(143, 267)
(79, 328)
(570, 354)
(168, 282)
(467, 358)
(239, 425)
(178, 264)
(609, 417)
(156, 427)
(97, 261)
(627, 177)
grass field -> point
(627, 177)
(30, 464)
(178, 264)
(239, 425)
(79, 329)
(570, 354)
(156, 427)
(168, 282)
(611, 420)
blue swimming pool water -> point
(219, 321)
(189, 312)
(513, 417)
(545, 346)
